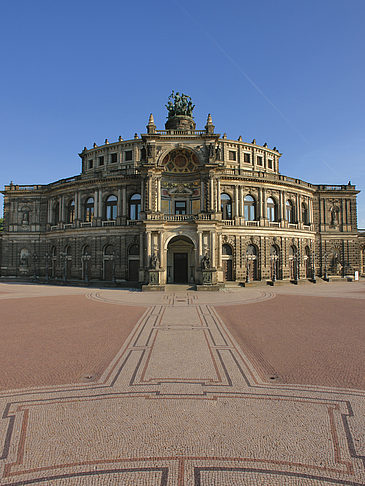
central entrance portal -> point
(180, 260)
(180, 267)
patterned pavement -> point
(182, 403)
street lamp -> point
(274, 259)
(325, 267)
(85, 266)
(249, 260)
(63, 256)
(35, 261)
(48, 257)
(313, 267)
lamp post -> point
(325, 267)
(85, 266)
(47, 256)
(35, 261)
(314, 266)
(63, 256)
(274, 259)
(249, 260)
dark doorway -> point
(180, 267)
(227, 270)
(108, 270)
(133, 270)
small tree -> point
(1, 224)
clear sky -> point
(287, 72)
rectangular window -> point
(113, 158)
(232, 155)
(101, 160)
(259, 160)
(91, 163)
(247, 158)
(128, 155)
(180, 207)
(269, 164)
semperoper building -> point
(180, 205)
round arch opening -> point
(180, 260)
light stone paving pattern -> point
(181, 404)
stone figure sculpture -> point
(154, 261)
(205, 263)
(179, 105)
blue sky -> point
(289, 73)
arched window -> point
(111, 208)
(56, 213)
(305, 218)
(134, 250)
(226, 206)
(290, 212)
(272, 212)
(134, 206)
(71, 212)
(226, 249)
(89, 210)
(250, 208)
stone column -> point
(60, 208)
(96, 215)
(264, 211)
(242, 196)
(119, 203)
(158, 206)
(161, 253)
(211, 193)
(201, 195)
(212, 239)
(218, 199)
(219, 263)
(297, 218)
(79, 208)
(141, 252)
(259, 202)
(200, 249)
(63, 211)
(76, 206)
(283, 203)
(148, 245)
(100, 202)
(236, 213)
(124, 201)
(142, 195)
(49, 214)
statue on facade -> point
(205, 263)
(154, 261)
(179, 105)
(334, 216)
(218, 153)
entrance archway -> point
(180, 260)
(227, 262)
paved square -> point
(254, 386)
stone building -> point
(180, 205)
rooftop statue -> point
(179, 105)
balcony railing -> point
(251, 223)
(228, 222)
(86, 224)
(109, 222)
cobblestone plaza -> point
(179, 388)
